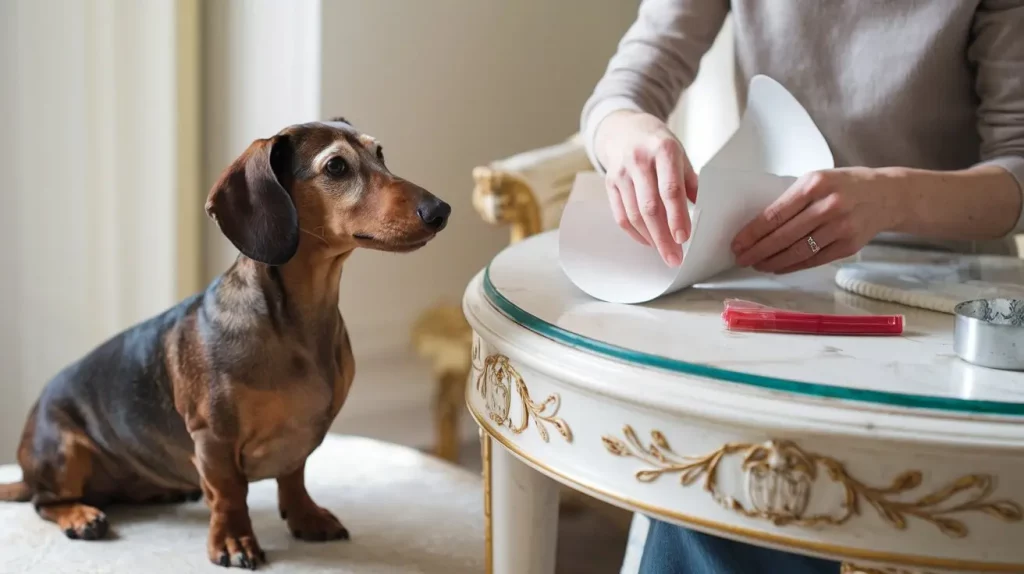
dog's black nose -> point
(434, 213)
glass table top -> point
(684, 333)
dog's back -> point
(119, 399)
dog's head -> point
(326, 180)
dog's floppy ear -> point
(251, 205)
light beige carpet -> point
(407, 513)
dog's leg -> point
(57, 500)
(306, 520)
(231, 541)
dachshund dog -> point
(242, 381)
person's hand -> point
(824, 216)
(649, 179)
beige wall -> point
(447, 85)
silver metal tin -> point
(990, 333)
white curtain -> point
(106, 163)
(261, 73)
(99, 156)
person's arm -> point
(656, 60)
(623, 123)
(832, 214)
(983, 202)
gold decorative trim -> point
(780, 477)
(503, 197)
(494, 379)
(485, 456)
(741, 533)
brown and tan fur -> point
(241, 382)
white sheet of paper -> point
(776, 142)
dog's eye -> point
(380, 153)
(336, 166)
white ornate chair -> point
(527, 192)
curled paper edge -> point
(776, 138)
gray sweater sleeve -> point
(997, 53)
(656, 60)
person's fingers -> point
(793, 201)
(628, 195)
(670, 166)
(795, 229)
(619, 212)
(836, 250)
(654, 212)
(803, 248)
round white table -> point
(889, 454)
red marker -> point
(742, 315)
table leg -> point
(523, 515)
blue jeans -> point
(675, 550)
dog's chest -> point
(285, 429)
(282, 423)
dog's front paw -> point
(81, 522)
(315, 524)
(242, 550)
